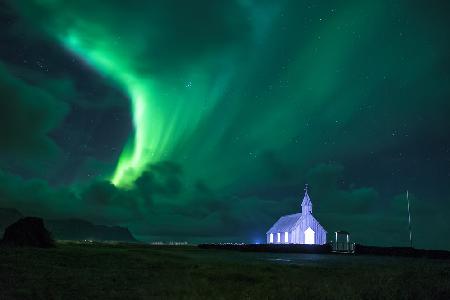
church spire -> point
(306, 203)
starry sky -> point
(203, 120)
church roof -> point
(285, 223)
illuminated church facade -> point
(299, 228)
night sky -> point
(203, 120)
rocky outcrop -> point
(27, 232)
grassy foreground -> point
(77, 271)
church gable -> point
(309, 221)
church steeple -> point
(306, 203)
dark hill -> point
(77, 229)
(71, 229)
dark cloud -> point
(370, 216)
(27, 115)
(162, 178)
(36, 197)
(157, 208)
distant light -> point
(271, 238)
(278, 237)
(286, 237)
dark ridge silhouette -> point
(28, 232)
(72, 229)
(77, 229)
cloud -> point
(36, 197)
(27, 116)
(372, 217)
(161, 203)
(164, 205)
(162, 178)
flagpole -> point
(409, 219)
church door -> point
(309, 236)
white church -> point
(299, 228)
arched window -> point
(271, 238)
(278, 237)
(286, 237)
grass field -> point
(95, 271)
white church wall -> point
(296, 234)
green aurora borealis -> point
(233, 106)
(161, 116)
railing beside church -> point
(343, 247)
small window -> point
(271, 238)
(286, 237)
(278, 237)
